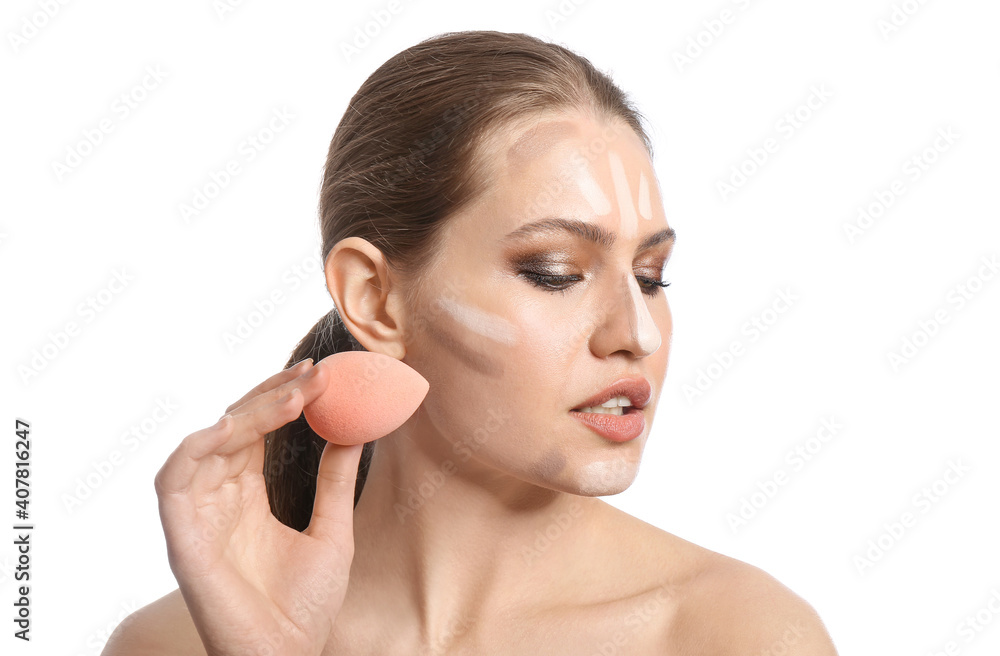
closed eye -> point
(650, 286)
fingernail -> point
(311, 373)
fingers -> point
(232, 433)
(312, 383)
(274, 381)
(333, 509)
(253, 424)
(176, 473)
(279, 400)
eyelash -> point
(542, 280)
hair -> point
(406, 155)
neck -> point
(442, 540)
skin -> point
(479, 530)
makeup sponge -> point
(369, 396)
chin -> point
(605, 477)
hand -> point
(252, 584)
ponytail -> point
(292, 452)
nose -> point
(624, 321)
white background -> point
(161, 337)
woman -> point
(490, 216)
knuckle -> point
(158, 481)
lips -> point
(632, 421)
(612, 427)
(636, 388)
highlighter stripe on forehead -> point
(592, 192)
(645, 205)
(626, 208)
(537, 139)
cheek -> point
(450, 331)
(472, 356)
(552, 334)
(664, 320)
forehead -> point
(587, 137)
(566, 165)
(539, 137)
(575, 165)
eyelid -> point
(563, 262)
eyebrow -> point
(589, 231)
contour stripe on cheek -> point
(645, 206)
(626, 208)
(478, 321)
(592, 192)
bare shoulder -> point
(721, 605)
(159, 628)
(732, 607)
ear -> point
(357, 277)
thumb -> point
(333, 509)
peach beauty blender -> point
(369, 396)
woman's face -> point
(516, 323)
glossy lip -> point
(617, 429)
(631, 423)
(636, 388)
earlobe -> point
(358, 279)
